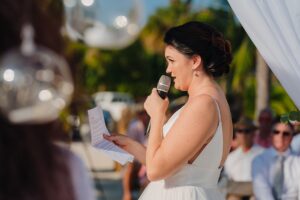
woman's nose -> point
(168, 70)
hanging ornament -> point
(112, 24)
(35, 83)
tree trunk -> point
(263, 84)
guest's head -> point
(245, 132)
(282, 134)
(194, 48)
(265, 118)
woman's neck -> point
(200, 83)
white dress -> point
(196, 181)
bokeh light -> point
(105, 24)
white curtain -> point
(274, 28)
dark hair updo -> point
(196, 38)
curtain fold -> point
(274, 28)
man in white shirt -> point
(276, 172)
(238, 164)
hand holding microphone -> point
(163, 87)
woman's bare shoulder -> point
(203, 101)
(200, 106)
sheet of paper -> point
(98, 128)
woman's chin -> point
(179, 88)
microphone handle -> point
(162, 94)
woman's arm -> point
(133, 147)
(191, 131)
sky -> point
(152, 5)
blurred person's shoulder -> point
(81, 180)
(293, 161)
(233, 157)
(296, 144)
(258, 149)
(66, 153)
(264, 156)
(235, 152)
(295, 158)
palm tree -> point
(262, 84)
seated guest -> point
(238, 164)
(276, 172)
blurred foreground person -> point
(185, 155)
(276, 172)
(32, 166)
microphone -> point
(162, 88)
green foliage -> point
(243, 65)
(160, 22)
(248, 95)
(280, 102)
(291, 116)
(130, 70)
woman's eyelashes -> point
(169, 61)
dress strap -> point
(219, 111)
(219, 129)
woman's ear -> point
(196, 59)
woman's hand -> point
(131, 146)
(122, 141)
(155, 105)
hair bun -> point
(221, 56)
(228, 51)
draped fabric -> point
(274, 28)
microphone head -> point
(164, 83)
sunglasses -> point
(244, 130)
(284, 133)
